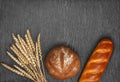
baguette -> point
(98, 61)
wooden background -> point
(79, 24)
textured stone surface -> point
(77, 23)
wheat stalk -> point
(28, 58)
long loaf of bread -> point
(97, 62)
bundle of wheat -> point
(28, 58)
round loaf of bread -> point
(62, 63)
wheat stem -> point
(12, 69)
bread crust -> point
(62, 63)
(97, 62)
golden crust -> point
(98, 61)
(62, 63)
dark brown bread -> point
(62, 63)
(97, 62)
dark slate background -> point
(79, 24)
